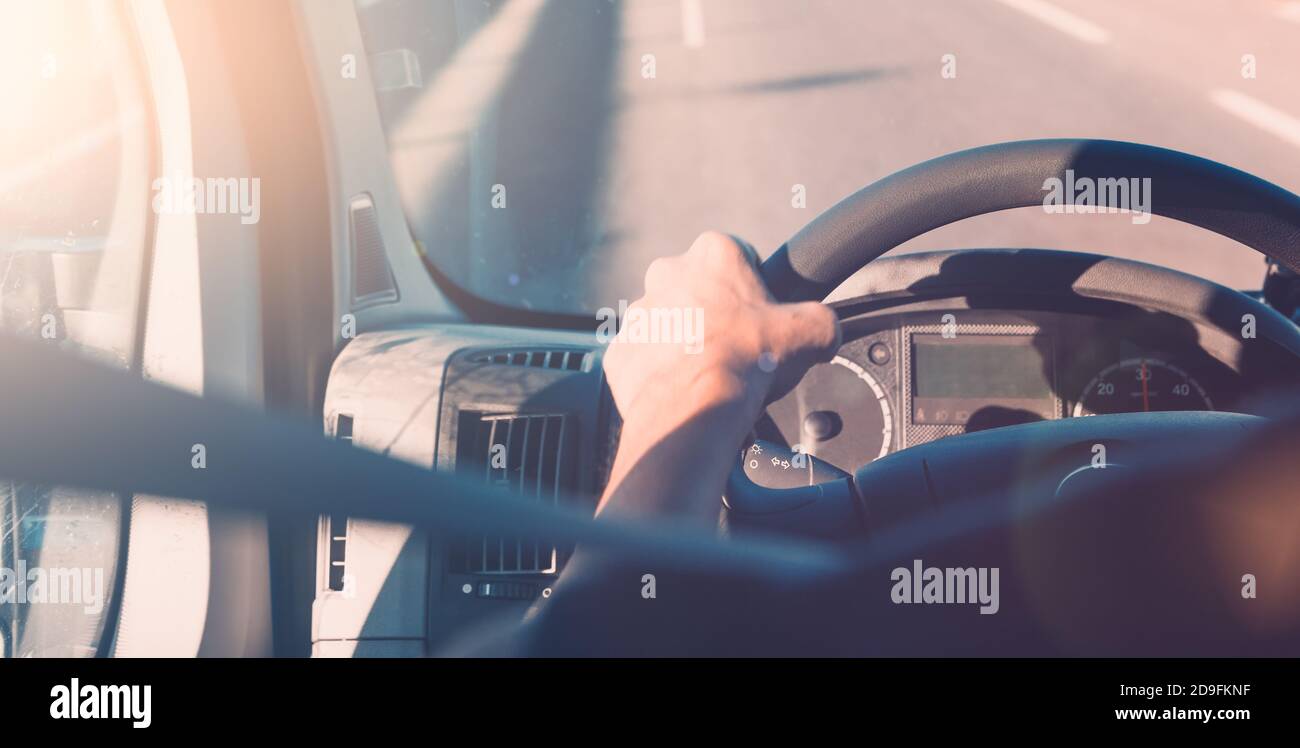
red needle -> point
(1146, 403)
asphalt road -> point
(752, 97)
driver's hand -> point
(736, 343)
(740, 349)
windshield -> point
(545, 152)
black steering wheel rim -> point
(965, 184)
(969, 183)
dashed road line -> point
(693, 23)
(1061, 20)
(1261, 115)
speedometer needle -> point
(1146, 402)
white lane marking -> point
(693, 23)
(1259, 114)
(1289, 11)
(1061, 20)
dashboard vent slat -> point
(528, 455)
(564, 359)
(336, 525)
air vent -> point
(527, 454)
(372, 279)
(571, 359)
(336, 525)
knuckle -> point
(658, 273)
(827, 325)
(717, 247)
(823, 317)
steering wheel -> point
(1049, 454)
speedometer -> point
(1141, 384)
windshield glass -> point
(545, 152)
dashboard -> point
(934, 345)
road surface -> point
(608, 166)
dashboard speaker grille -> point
(527, 454)
(372, 279)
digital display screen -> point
(999, 376)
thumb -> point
(802, 334)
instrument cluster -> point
(908, 378)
